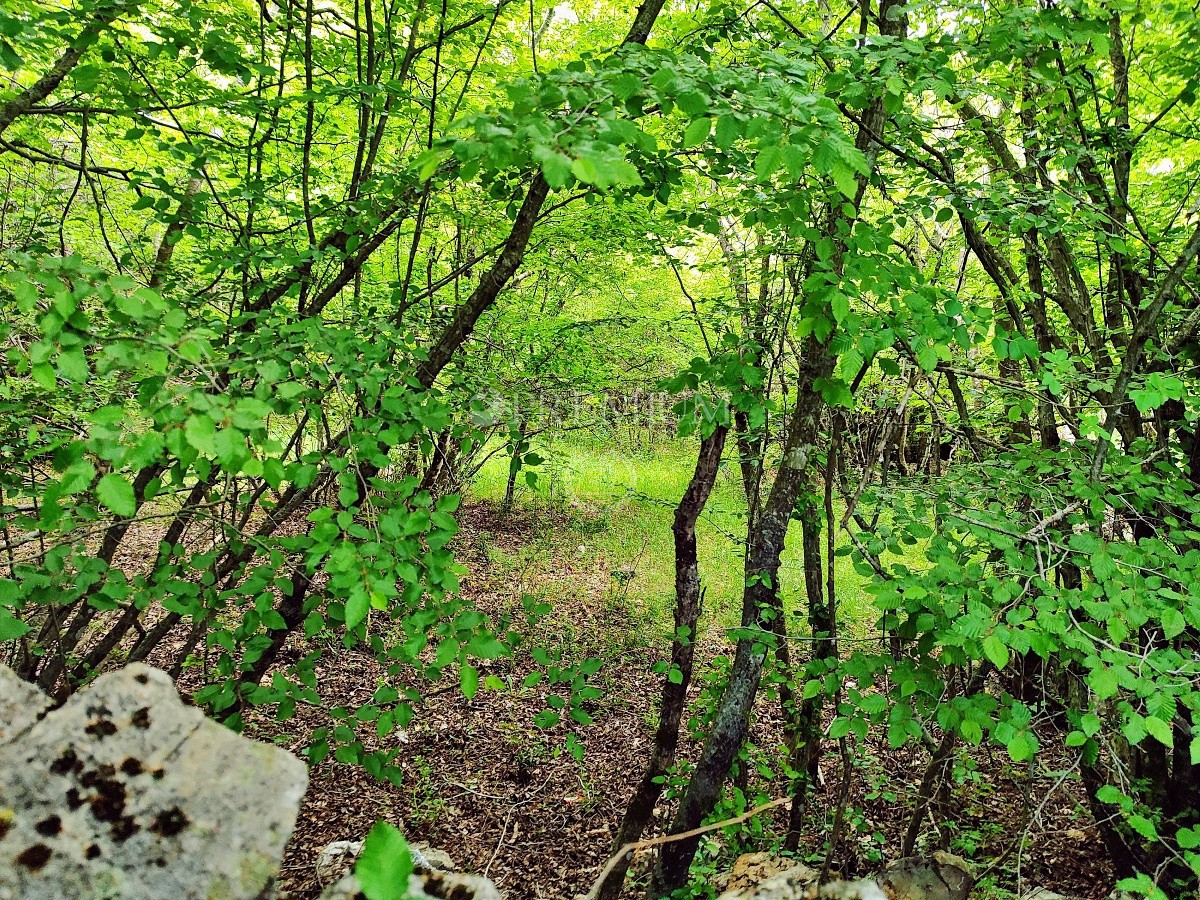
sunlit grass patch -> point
(618, 509)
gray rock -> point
(126, 792)
(944, 877)
(794, 881)
(1041, 893)
(432, 885)
(21, 705)
(335, 860)
(338, 858)
(434, 858)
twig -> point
(594, 893)
(499, 843)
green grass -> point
(620, 506)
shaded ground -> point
(504, 798)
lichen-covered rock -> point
(338, 858)
(942, 877)
(21, 705)
(434, 858)
(125, 792)
(796, 881)
(433, 885)
(751, 869)
(335, 860)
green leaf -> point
(357, 605)
(768, 162)
(585, 170)
(927, 357)
(10, 626)
(201, 434)
(1187, 838)
(1144, 827)
(996, 651)
(385, 864)
(485, 646)
(469, 679)
(1159, 730)
(971, 732)
(72, 365)
(839, 305)
(843, 176)
(427, 163)
(1103, 567)
(1021, 746)
(556, 167)
(116, 493)
(44, 375)
(693, 103)
(727, 131)
(1103, 681)
(1173, 622)
(697, 132)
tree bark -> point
(688, 600)
(105, 15)
(760, 604)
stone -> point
(21, 705)
(338, 858)
(335, 860)
(793, 882)
(433, 857)
(945, 877)
(942, 877)
(751, 869)
(126, 792)
(433, 885)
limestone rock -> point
(126, 792)
(433, 885)
(335, 860)
(433, 857)
(795, 882)
(338, 858)
(751, 869)
(944, 877)
(21, 705)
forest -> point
(570, 424)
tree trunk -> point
(688, 600)
(760, 605)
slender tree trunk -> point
(688, 599)
(760, 605)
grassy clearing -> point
(620, 506)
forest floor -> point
(505, 798)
